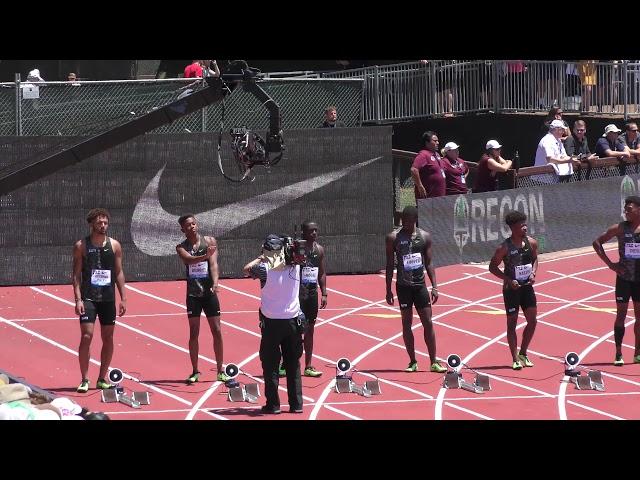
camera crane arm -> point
(213, 93)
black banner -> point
(340, 178)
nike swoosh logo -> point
(155, 231)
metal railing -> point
(85, 108)
(406, 91)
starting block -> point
(112, 395)
(239, 392)
(453, 378)
(592, 381)
(245, 393)
(345, 383)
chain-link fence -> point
(86, 108)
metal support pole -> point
(18, 106)
(625, 86)
(376, 92)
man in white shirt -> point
(551, 152)
(281, 322)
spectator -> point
(71, 77)
(210, 68)
(588, 78)
(555, 114)
(490, 164)
(610, 145)
(34, 76)
(426, 171)
(194, 70)
(455, 170)
(331, 118)
(631, 139)
(551, 151)
(576, 144)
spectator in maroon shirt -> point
(489, 165)
(426, 171)
(194, 70)
(455, 169)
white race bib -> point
(523, 272)
(198, 270)
(632, 250)
(100, 278)
(462, 179)
(309, 274)
(412, 261)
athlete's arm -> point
(389, 265)
(494, 264)
(119, 273)
(612, 231)
(76, 276)
(189, 259)
(213, 262)
(431, 272)
(247, 268)
(534, 257)
(322, 277)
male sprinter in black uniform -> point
(97, 265)
(412, 249)
(627, 270)
(313, 274)
(519, 253)
(200, 255)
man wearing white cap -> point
(491, 163)
(610, 145)
(455, 169)
(551, 151)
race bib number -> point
(632, 250)
(309, 274)
(100, 278)
(523, 272)
(412, 261)
(198, 270)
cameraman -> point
(281, 322)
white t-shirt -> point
(279, 296)
(550, 146)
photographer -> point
(281, 321)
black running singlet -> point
(629, 251)
(309, 273)
(518, 263)
(98, 272)
(199, 280)
(408, 249)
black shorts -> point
(105, 311)
(417, 295)
(209, 303)
(523, 297)
(626, 289)
(309, 306)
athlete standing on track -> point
(412, 249)
(97, 265)
(519, 253)
(627, 272)
(200, 255)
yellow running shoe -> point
(437, 368)
(524, 360)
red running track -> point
(39, 336)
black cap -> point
(272, 242)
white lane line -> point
(466, 410)
(595, 410)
